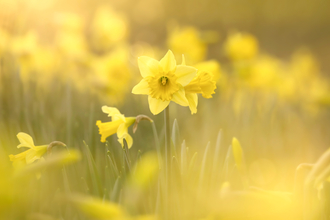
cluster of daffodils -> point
(299, 81)
(165, 81)
(91, 57)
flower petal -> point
(128, 139)
(168, 62)
(25, 140)
(180, 98)
(142, 88)
(33, 155)
(122, 129)
(185, 74)
(113, 112)
(157, 105)
(193, 102)
(148, 66)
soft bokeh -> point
(254, 149)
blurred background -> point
(61, 61)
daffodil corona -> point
(119, 125)
(163, 81)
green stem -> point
(167, 156)
(167, 139)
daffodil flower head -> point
(163, 81)
(203, 83)
(29, 156)
(119, 124)
(241, 46)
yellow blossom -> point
(203, 83)
(241, 46)
(119, 124)
(28, 156)
(163, 81)
(108, 28)
(110, 74)
(181, 40)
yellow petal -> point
(128, 139)
(110, 110)
(113, 112)
(180, 98)
(122, 129)
(148, 66)
(25, 140)
(19, 160)
(193, 102)
(142, 88)
(185, 74)
(96, 208)
(35, 154)
(168, 62)
(156, 105)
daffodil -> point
(163, 81)
(119, 124)
(203, 83)
(241, 46)
(30, 155)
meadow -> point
(110, 110)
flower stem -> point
(167, 139)
(167, 156)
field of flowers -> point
(137, 110)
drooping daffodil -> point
(119, 124)
(31, 155)
(163, 81)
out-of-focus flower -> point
(4, 41)
(163, 81)
(110, 75)
(98, 209)
(33, 154)
(203, 83)
(146, 171)
(108, 28)
(119, 124)
(23, 47)
(241, 46)
(304, 65)
(214, 67)
(182, 40)
(264, 73)
(70, 38)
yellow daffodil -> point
(28, 156)
(163, 81)
(119, 125)
(203, 83)
(182, 39)
(108, 28)
(241, 46)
